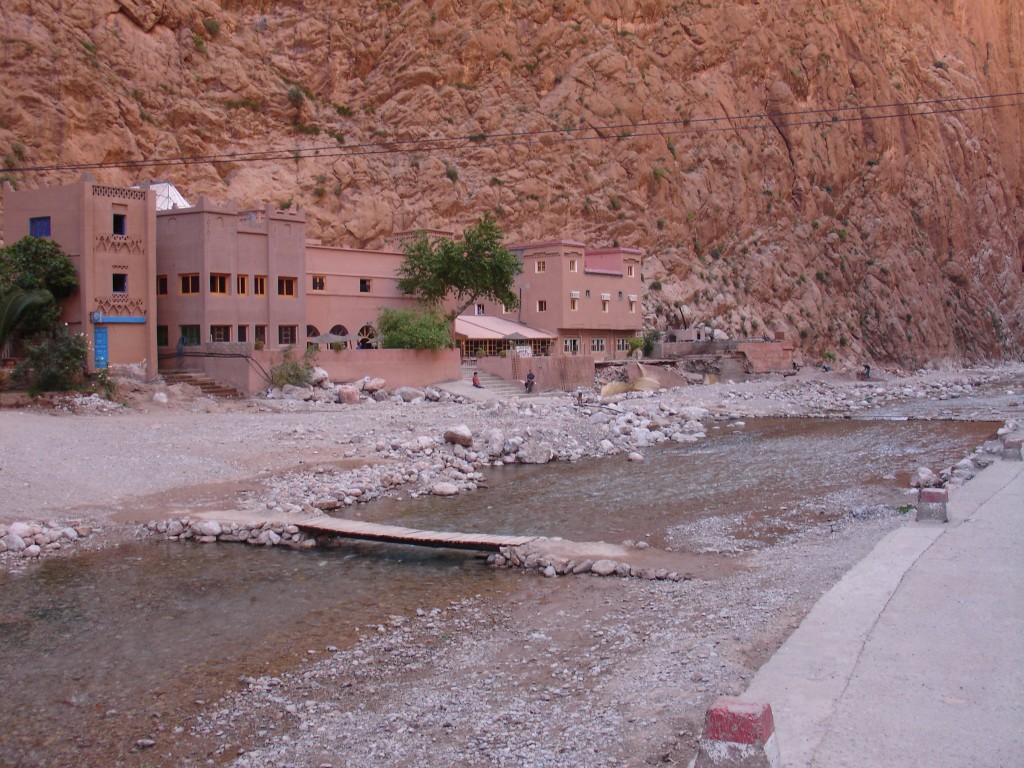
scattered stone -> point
(444, 489)
(459, 435)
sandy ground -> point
(573, 671)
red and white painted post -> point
(931, 505)
(1012, 449)
(738, 734)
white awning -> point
(483, 327)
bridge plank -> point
(359, 529)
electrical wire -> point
(676, 127)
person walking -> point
(531, 380)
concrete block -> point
(931, 505)
(738, 734)
(1012, 449)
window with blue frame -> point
(39, 226)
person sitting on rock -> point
(476, 380)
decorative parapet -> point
(119, 193)
(120, 306)
(120, 244)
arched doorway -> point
(367, 337)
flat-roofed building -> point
(227, 277)
(110, 235)
(346, 289)
(589, 299)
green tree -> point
(413, 329)
(478, 266)
(38, 264)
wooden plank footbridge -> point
(394, 534)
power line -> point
(695, 126)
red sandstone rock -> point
(888, 239)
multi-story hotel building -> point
(110, 234)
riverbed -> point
(106, 651)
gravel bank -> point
(574, 671)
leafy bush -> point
(38, 264)
(54, 364)
(651, 338)
(292, 370)
(212, 26)
(413, 329)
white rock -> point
(444, 489)
(535, 453)
(634, 456)
(207, 528)
(160, 398)
(24, 530)
(32, 551)
(604, 567)
(14, 542)
(459, 435)
(924, 478)
(409, 394)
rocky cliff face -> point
(864, 235)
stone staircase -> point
(207, 385)
(499, 386)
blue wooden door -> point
(99, 337)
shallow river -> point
(102, 649)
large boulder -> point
(535, 453)
(409, 394)
(495, 443)
(459, 435)
(293, 392)
(324, 396)
(348, 394)
(207, 528)
(24, 530)
(13, 542)
(318, 376)
(373, 385)
(444, 489)
(925, 478)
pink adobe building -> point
(228, 276)
(347, 288)
(110, 235)
(589, 300)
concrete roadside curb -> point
(809, 677)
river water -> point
(103, 648)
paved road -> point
(916, 657)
